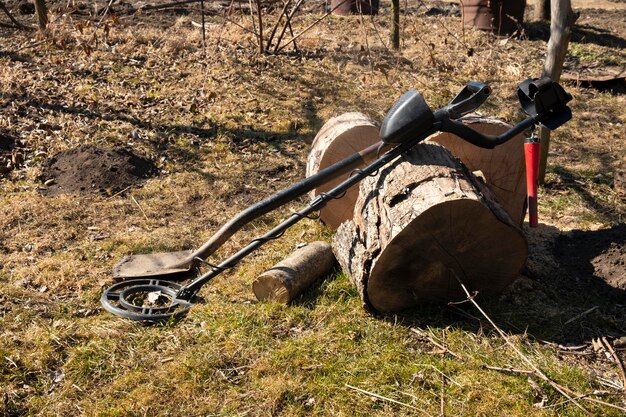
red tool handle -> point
(531, 154)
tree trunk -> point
(339, 138)
(42, 13)
(542, 10)
(395, 24)
(420, 224)
(561, 25)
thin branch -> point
(288, 19)
(219, 37)
(140, 208)
(310, 26)
(203, 27)
(254, 24)
(167, 5)
(275, 28)
(584, 313)
(6, 11)
(509, 369)
(260, 17)
(617, 359)
(440, 372)
(439, 345)
(534, 367)
(391, 400)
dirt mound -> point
(601, 254)
(88, 169)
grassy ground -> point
(227, 127)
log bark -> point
(339, 138)
(419, 224)
(503, 167)
(291, 277)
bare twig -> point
(167, 5)
(288, 18)
(203, 27)
(604, 403)
(245, 29)
(256, 34)
(305, 30)
(93, 35)
(391, 400)
(617, 360)
(441, 373)
(30, 45)
(439, 345)
(461, 42)
(219, 37)
(442, 397)
(534, 367)
(275, 28)
(508, 369)
(140, 208)
(260, 17)
(118, 193)
(6, 11)
(584, 313)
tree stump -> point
(422, 224)
(339, 138)
(503, 167)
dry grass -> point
(210, 120)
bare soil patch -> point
(598, 254)
(88, 169)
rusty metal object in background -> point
(503, 17)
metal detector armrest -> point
(410, 116)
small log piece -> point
(502, 167)
(420, 224)
(292, 276)
(339, 138)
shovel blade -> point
(154, 264)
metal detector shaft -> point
(188, 291)
(281, 198)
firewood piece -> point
(420, 223)
(292, 276)
(339, 138)
(502, 167)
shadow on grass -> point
(582, 33)
(240, 138)
(568, 297)
(572, 181)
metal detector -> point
(150, 298)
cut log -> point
(292, 276)
(502, 167)
(420, 224)
(339, 138)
